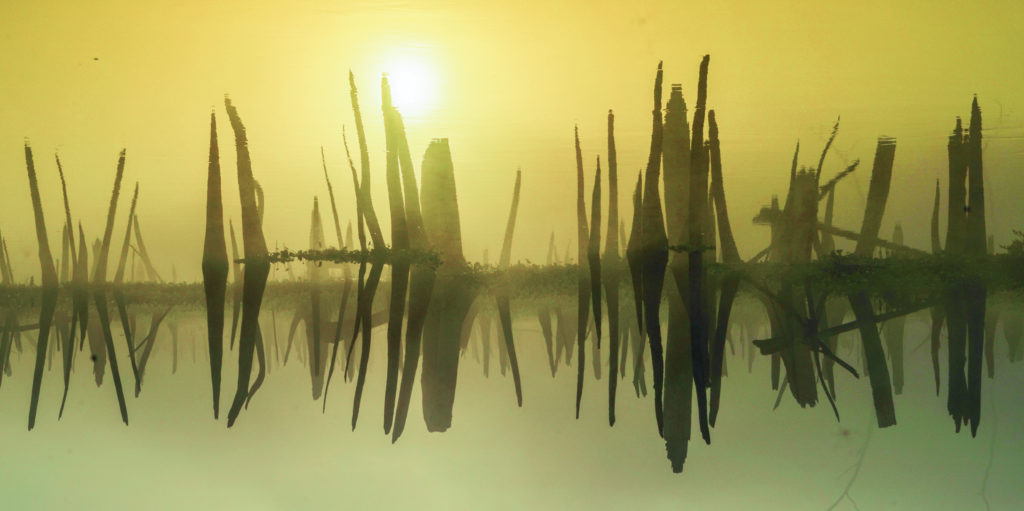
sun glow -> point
(414, 85)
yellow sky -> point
(509, 82)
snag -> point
(611, 266)
(48, 298)
(583, 275)
(257, 266)
(501, 294)
(215, 266)
(100, 296)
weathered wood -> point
(654, 250)
(502, 296)
(953, 305)
(937, 313)
(257, 268)
(451, 298)
(215, 266)
(421, 281)
(399, 270)
(975, 244)
(611, 268)
(678, 381)
(583, 283)
(100, 296)
(878, 371)
(48, 290)
(730, 283)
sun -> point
(414, 85)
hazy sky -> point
(505, 84)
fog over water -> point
(286, 454)
(504, 89)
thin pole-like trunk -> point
(215, 267)
(315, 346)
(634, 257)
(730, 256)
(48, 281)
(100, 296)
(346, 291)
(502, 297)
(421, 280)
(953, 305)
(594, 258)
(151, 272)
(399, 270)
(119, 299)
(975, 293)
(583, 284)
(860, 302)
(698, 292)
(611, 266)
(544, 316)
(236, 285)
(257, 266)
(654, 250)
(366, 292)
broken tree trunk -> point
(860, 302)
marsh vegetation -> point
(668, 303)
